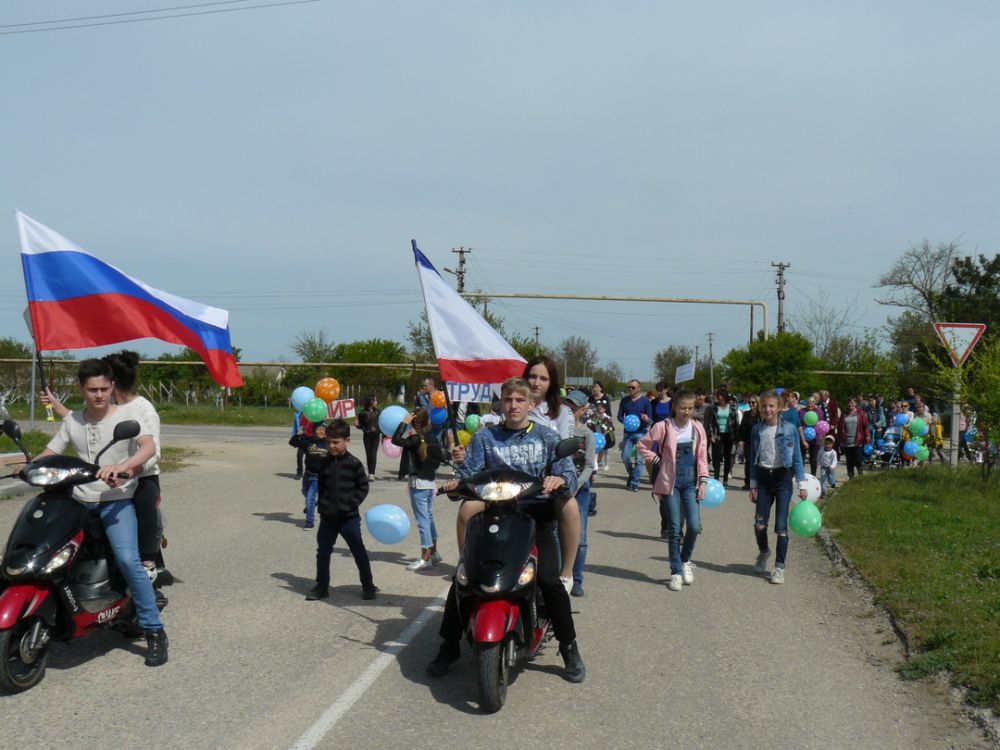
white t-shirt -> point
(143, 411)
(564, 423)
(827, 458)
(685, 434)
(88, 440)
(766, 455)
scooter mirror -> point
(567, 447)
(12, 430)
(126, 430)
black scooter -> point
(58, 578)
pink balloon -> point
(822, 427)
(390, 449)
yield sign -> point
(959, 339)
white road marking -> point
(349, 697)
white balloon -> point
(812, 487)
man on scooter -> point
(88, 431)
(524, 446)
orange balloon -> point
(438, 399)
(327, 389)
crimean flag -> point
(78, 301)
(468, 349)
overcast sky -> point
(276, 162)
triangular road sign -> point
(959, 339)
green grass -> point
(171, 458)
(262, 416)
(928, 540)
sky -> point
(276, 161)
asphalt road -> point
(730, 662)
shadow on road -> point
(80, 651)
(295, 519)
(741, 569)
(629, 535)
(630, 575)
(286, 475)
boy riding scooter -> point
(521, 445)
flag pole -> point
(447, 405)
(41, 376)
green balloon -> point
(315, 410)
(916, 427)
(472, 422)
(805, 519)
(923, 453)
(810, 418)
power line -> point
(121, 15)
(279, 4)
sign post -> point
(959, 339)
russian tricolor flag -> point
(468, 349)
(77, 302)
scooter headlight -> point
(44, 476)
(527, 573)
(461, 576)
(62, 557)
(501, 491)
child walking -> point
(681, 481)
(315, 450)
(827, 465)
(343, 486)
(775, 458)
(422, 487)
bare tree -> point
(823, 324)
(576, 356)
(916, 279)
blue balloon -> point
(779, 391)
(715, 494)
(387, 523)
(910, 448)
(631, 423)
(439, 415)
(879, 443)
(900, 420)
(301, 395)
(600, 442)
(970, 436)
(390, 418)
(868, 449)
(809, 433)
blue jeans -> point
(327, 535)
(422, 502)
(681, 507)
(583, 496)
(828, 478)
(774, 487)
(122, 529)
(310, 486)
(632, 465)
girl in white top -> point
(542, 375)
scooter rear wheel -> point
(493, 675)
(18, 670)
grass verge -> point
(928, 540)
(171, 458)
(244, 416)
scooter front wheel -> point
(493, 674)
(21, 668)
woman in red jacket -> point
(852, 430)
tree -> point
(14, 378)
(314, 346)
(822, 323)
(858, 354)
(915, 281)
(378, 380)
(666, 361)
(973, 293)
(576, 357)
(783, 360)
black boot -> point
(156, 647)
(575, 671)
(448, 653)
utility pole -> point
(460, 273)
(781, 293)
(537, 329)
(711, 366)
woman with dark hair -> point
(661, 402)
(542, 375)
(367, 422)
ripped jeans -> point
(774, 487)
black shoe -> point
(449, 652)
(369, 592)
(577, 590)
(317, 592)
(299, 475)
(575, 671)
(161, 600)
(156, 647)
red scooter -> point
(58, 578)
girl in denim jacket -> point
(681, 481)
(775, 458)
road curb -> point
(984, 718)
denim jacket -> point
(789, 450)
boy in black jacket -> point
(343, 486)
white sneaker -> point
(567, 583)
(760, 566)
(419, 564)
(687, 573)
(436, 558)
(676, 583)
(778, 576)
